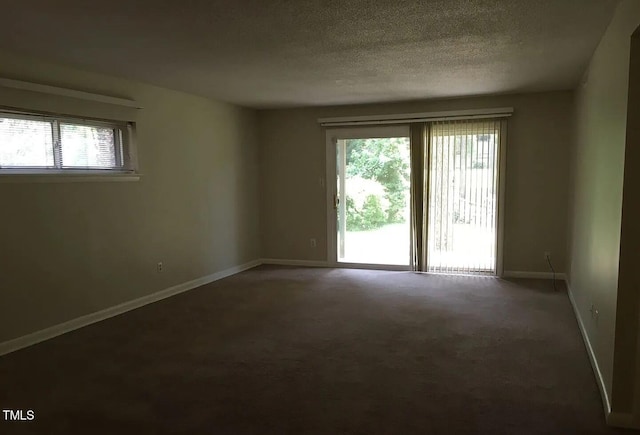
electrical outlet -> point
(159, 267)
(547, 254)
(313, 243)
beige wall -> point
(293, 203)
(597, 198)
(69, 249)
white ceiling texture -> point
(285, 53)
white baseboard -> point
(616, 419)
(560, 276)
(606, 403)
(79, 322)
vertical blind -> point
(462, 193)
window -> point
(31, 143)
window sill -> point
(66, 177)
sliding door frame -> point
(332, 136)
(502, 182)
(335, 133)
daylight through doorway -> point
(373, 200)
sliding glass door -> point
(372, 196)
(455, 196)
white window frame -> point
(126, 153)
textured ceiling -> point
(276, 53)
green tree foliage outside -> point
(367, 217)
(380, 161)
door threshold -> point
(390, 267)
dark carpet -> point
(279, 350)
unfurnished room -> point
(320, 217)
